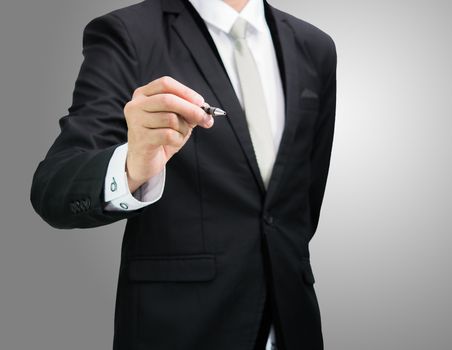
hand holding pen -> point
(160, 118)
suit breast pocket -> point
(309, 100)
(308, 112)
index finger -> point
(168, 85)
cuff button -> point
(113, 185)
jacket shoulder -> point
(317, 42)
(133, 12)
(132, 26)
(133, 15)
(136, 20)
(305, 30)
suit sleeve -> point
(67, 188)
(323, 138)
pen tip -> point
(219, 112)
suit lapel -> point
(293, 81)
(216, 77)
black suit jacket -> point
(193, 268)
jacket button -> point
(268, 219)
(124, 205)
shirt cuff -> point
(116, 190)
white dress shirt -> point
(219, 18)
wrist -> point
(133, 181)
(133, 184)
(139, 170)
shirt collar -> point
(222, 16)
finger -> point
(165, 120)
(165, 136)
(191, 113)
(168, 85)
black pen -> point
(213, 111)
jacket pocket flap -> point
(190, 268)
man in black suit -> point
(215, 254)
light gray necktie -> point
(254, 101)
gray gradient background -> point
(381, 255)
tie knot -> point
(238, 30)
